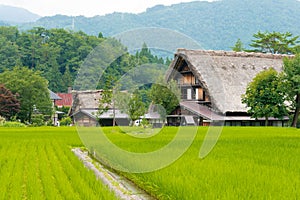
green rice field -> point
(37, 163)
(246, 163)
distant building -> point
(54, 98)
(212, 82)
(85, 110)
(66, 99)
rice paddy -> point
(37, 163)
(246, 163)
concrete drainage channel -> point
(123, 188)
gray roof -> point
(107, 115)
(225, 75)
(54, 96)
(200, 110)
(208, 114)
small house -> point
(85, 110)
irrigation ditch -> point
(121, 186)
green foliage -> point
(13, 124)
(145, 123)
(265, 95)
(10, 54)
(32, 90)
(135, 108)
(57, 53)
(131, 104)
(166, 95)
(238, 47)
(66, 121)
(122, 100)
(37, 120)
(292, 77)
(64, 109)
(105, 101)
(126, 64)
(274, 42)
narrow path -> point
(123, 188)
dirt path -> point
(123, 188)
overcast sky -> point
(87, 8)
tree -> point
(9, 104)
(166, 95)
(238, 47)
(265, 96)
(105, 103)
(135, 108)
(292, 76)
(67, 77)
(274, 42)
(32, 89)
(9, 54)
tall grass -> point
(37, 163)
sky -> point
(87, 8)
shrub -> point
(66, 121)
(38, 120)
(145, 123)
(13, 124)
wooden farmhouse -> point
(212, 82)
(85, 110)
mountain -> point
(215, 25)
(16, 15)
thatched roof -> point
(88, 99)
(225, 75)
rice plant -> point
(246, 163)
(37, 163)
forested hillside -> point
(59, 53)
(215, 25)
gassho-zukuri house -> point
(212, 83)
(84, 111)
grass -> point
(246, 163)
(37, 163)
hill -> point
(16, 15)
(215, 25)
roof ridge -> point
(231, 53)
